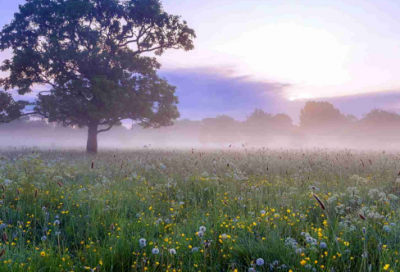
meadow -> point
(236, 209)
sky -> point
(277, 54)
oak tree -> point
(91, 53)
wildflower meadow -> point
(234, 209)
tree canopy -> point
(320, 115)
(221, 129)
(9, 108)
(90, 52)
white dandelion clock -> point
(142, 242)
(260, 262)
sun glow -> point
(294, 53)
(300, 96)
(317, 63)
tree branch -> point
(126, 43)
(9, 120)
(148, 50)
(105, 130)
(34, 113)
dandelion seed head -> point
(260, 262)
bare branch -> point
(6, 121)
(155, 48)
(32, 113)
(126, 43)
(105, 130)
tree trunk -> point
(91, 146)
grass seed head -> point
(321, 204)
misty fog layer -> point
(321, 125)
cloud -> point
(205, 92)
(363, 103)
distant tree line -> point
(321, 124)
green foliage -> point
(10, 109)
(57, 212)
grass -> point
(66, 211)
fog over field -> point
(321, 126)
